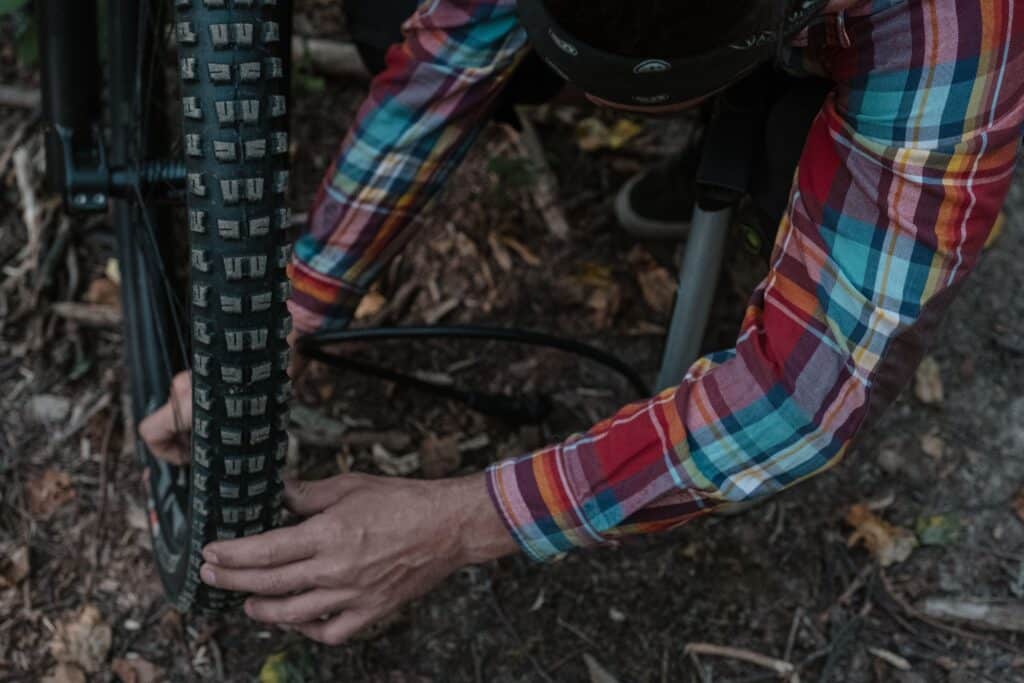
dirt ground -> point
(77, 583)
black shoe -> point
(658, 203)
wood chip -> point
(395, 465)
(777, 665)
(49, 492)
(928, 382)
(522, 251)
(890, 658)
(90, 315)
(981, 613)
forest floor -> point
(943, 469)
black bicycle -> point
(207, 157)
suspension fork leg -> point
(698, 277)
(70, 75)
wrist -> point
(481, 533)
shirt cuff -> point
(540, 514)
(319, 303)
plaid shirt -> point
(902, 177)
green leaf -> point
(938, 529)
(8, 6)
(27, 46)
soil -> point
(779, 580)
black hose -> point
(529, 408)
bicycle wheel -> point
(233, 88)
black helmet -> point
(657, 81)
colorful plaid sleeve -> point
(903, 175)
(420, 118)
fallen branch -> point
(544, 189)
(22, 98)
(784, 669)
(911, 611)
(90, 315)
(330, 57)
(989, 616)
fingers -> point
(299, 609)
(298, 362)
(163, 430)
(307, 498)
(270, 549)
(337, 630)
(272, 581)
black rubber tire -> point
(232, 66)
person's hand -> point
(371, 545)
(166, 431)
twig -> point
(695, 660)
(90, 315)
(101, 513)
(838, 646)
(515, 636)
(15, 141)
(31, 212)
(545, 188)
(22, 98)
(78, 424)
(783, 669)
(791, 640)
(911, 611)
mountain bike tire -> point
(232, 66)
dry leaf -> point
(371, 304)
(65, 673)
(49, 491)
(598, 674)
(658, 288)
(102, 291)
(85, 641)
(14, 566)
(928, 382)
(1018, 505)
(887, 543)
(439, 457)
(604, 305)
(592, 134)
(136, 670)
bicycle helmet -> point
(659, 81)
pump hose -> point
(531, 408)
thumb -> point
(307, 498)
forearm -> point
(482, 536)
(888, 216)
(419, 120)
